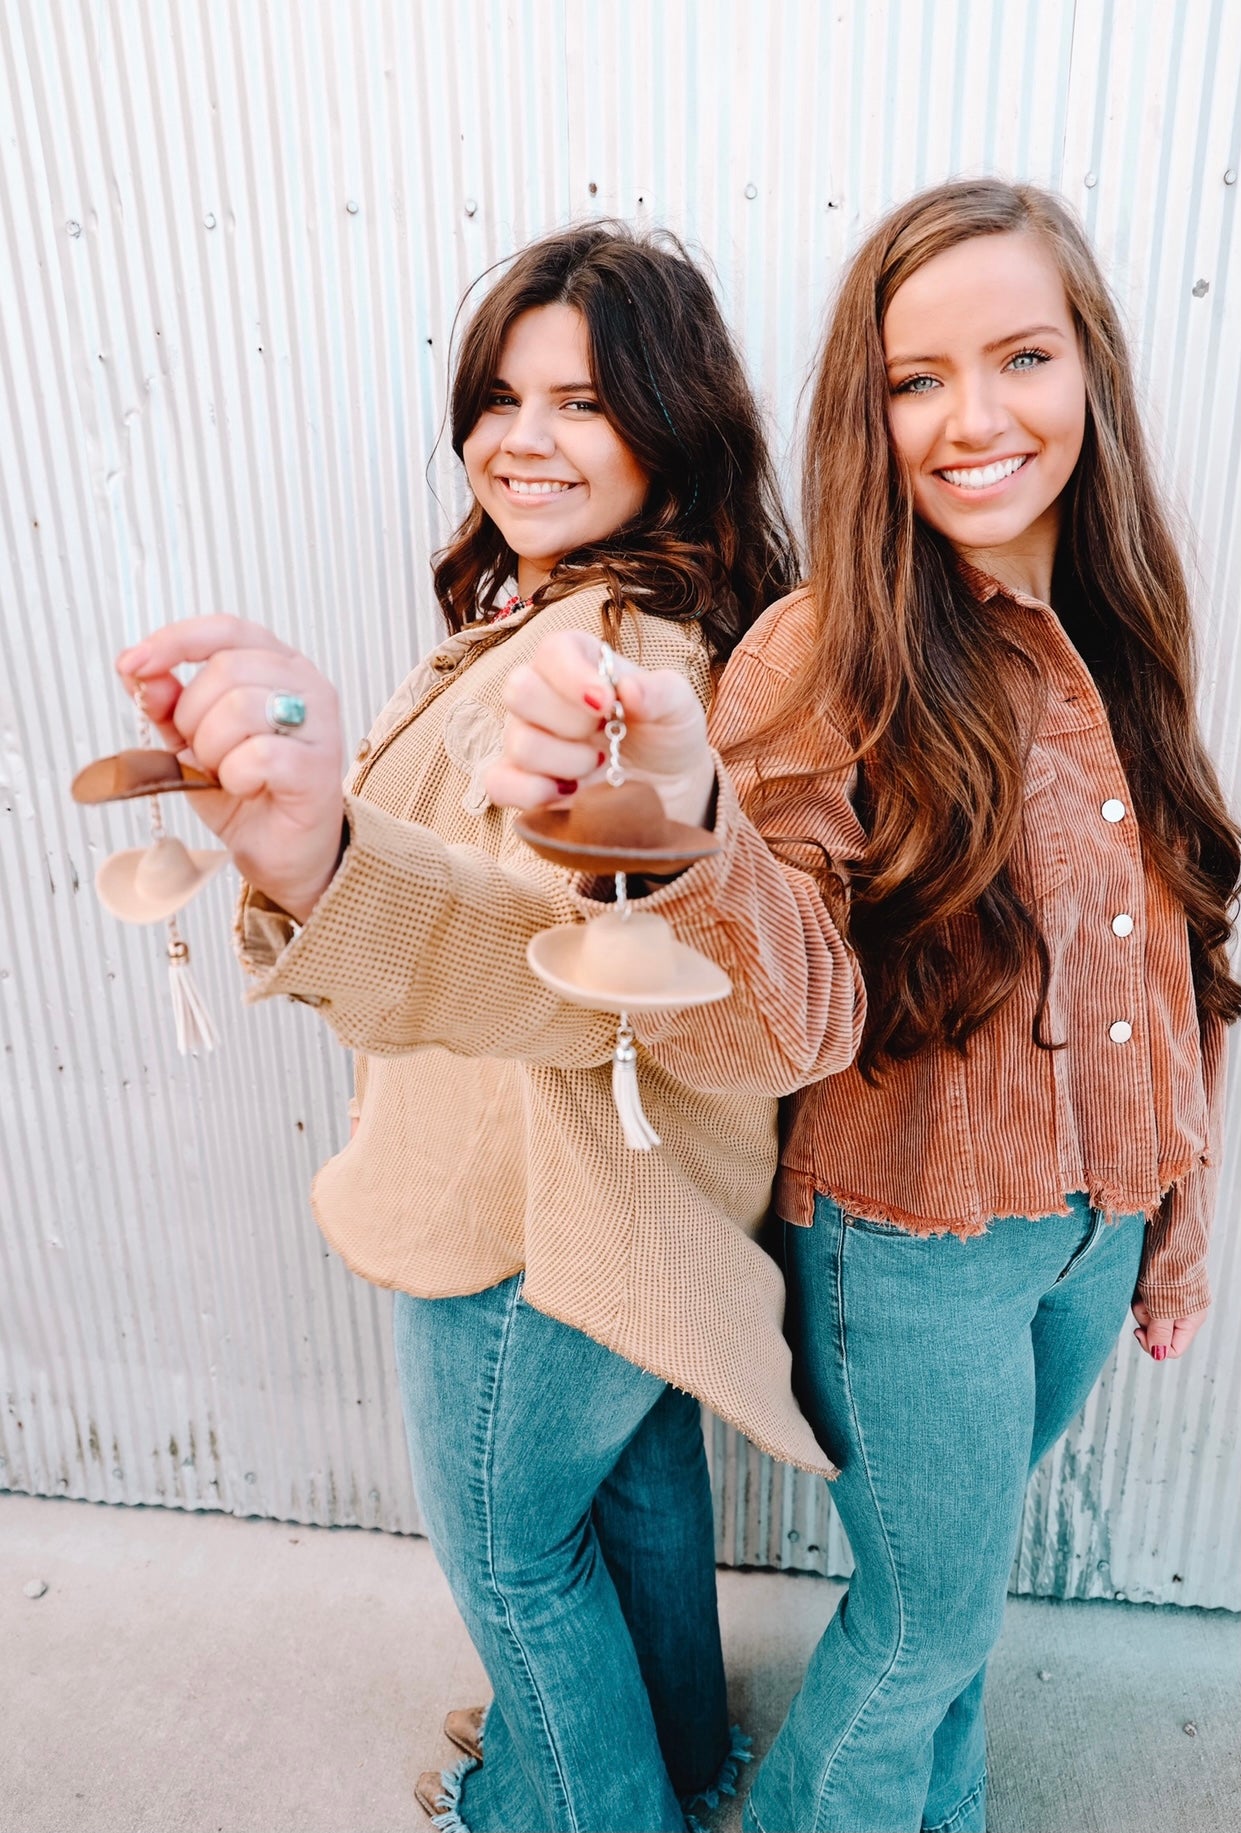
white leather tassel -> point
(640, 1135)
(194, 1028)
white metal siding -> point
(233, 241)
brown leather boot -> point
(428, 1790)
(464, 1728)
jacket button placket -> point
(1113, 811)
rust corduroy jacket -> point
(1128, 1110)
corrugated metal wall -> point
(233, 242)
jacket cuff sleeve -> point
(261, 930)
(1173, 1280)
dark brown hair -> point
(711, 544)
(937, 701)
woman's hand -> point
(279, 809)
(1164, 1338)
(554, 738)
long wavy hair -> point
(711, 543)
(938, 703)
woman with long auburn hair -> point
(564, 1303)
(974, 732)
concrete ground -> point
(199, 1674)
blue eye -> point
(916, 385)
(1029, 359)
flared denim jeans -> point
(565, 1492)
(936, 1371)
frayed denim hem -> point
(449, 1819)
(962, 1809)
(706, 1800)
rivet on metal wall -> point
(471, 206)
(1230, 176)
(72, 228)
(351, 206)
(1201, 288)
(1091, 180)
(209, 220)
(751, 191)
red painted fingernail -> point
(1159, 1352)
(600, 756)
(596, 698)
(566, 789)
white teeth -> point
(524, 487)
(981, 476)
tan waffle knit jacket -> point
(487, 1139)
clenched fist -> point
(279, 809)
(554, 738)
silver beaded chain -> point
(614, 731)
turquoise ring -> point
(285, 713)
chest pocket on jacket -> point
(473, 738)
(1043, 850)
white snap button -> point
(1113, 810)
(1122, 925)
(1121, 1031)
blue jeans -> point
(936, 1371)
(565, 1492)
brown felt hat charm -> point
(129, 774)
(614, 828)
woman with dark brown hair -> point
(975, 730)
(564, 1303)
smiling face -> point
(543, 460)
(987, 401)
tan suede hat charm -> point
(627, 961)
(150, 884)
